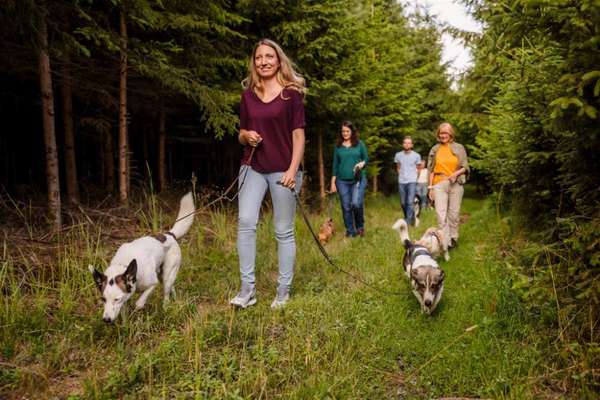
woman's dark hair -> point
(353, 138)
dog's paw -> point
(446, 256)
(139, 305)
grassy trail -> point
(335, 339)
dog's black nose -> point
(428, 303)
(107, 320)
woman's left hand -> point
(452, 178)
(289, 179)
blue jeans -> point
(250, 199)
(407, 199)
(422, 195)
(352, 197)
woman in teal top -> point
(350, 177)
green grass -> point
(336, 338)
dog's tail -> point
(185, 217)
(402, 229)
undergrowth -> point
(337, 338)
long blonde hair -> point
(450, 130)
(286, 75)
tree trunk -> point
(123, 145)
(109, 161)
(52, 177)
(375, 184)
(70, 163)
(321, 166)
(146, 153)
(162, 150)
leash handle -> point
(281, 184)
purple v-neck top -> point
(274, 121)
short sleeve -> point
(396, 160)
(243, 113)
(418, 158)
(298, 118)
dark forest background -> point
(369, 62)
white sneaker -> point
(245, 298)
(282, 297)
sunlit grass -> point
(336, 338)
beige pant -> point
(447, 197)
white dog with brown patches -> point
(433, 239)
(137, 265)
(425, 275)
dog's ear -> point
(99, 277)
(130, 273)
(414, 274)
(128, 278)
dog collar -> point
(419, 251)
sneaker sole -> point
(251, 302)
(278, 304)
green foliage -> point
(537, 63)
(181, 47)
(538, 141)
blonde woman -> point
(449, 167)
(271, 122)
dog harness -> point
(421, 251)
(417, 251)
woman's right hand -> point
(252, 138)
(333, 189)
(430, 194)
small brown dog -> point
(326, 231)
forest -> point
(113, 109)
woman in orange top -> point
(448, 166)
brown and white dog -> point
(137, 265)
(326, 231)
(433, 239)
(425, 275)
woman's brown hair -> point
(286, 75)
(353, 138)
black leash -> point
(224, 196)
(326, 255)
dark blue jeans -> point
(352, 197)
(407, 199)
